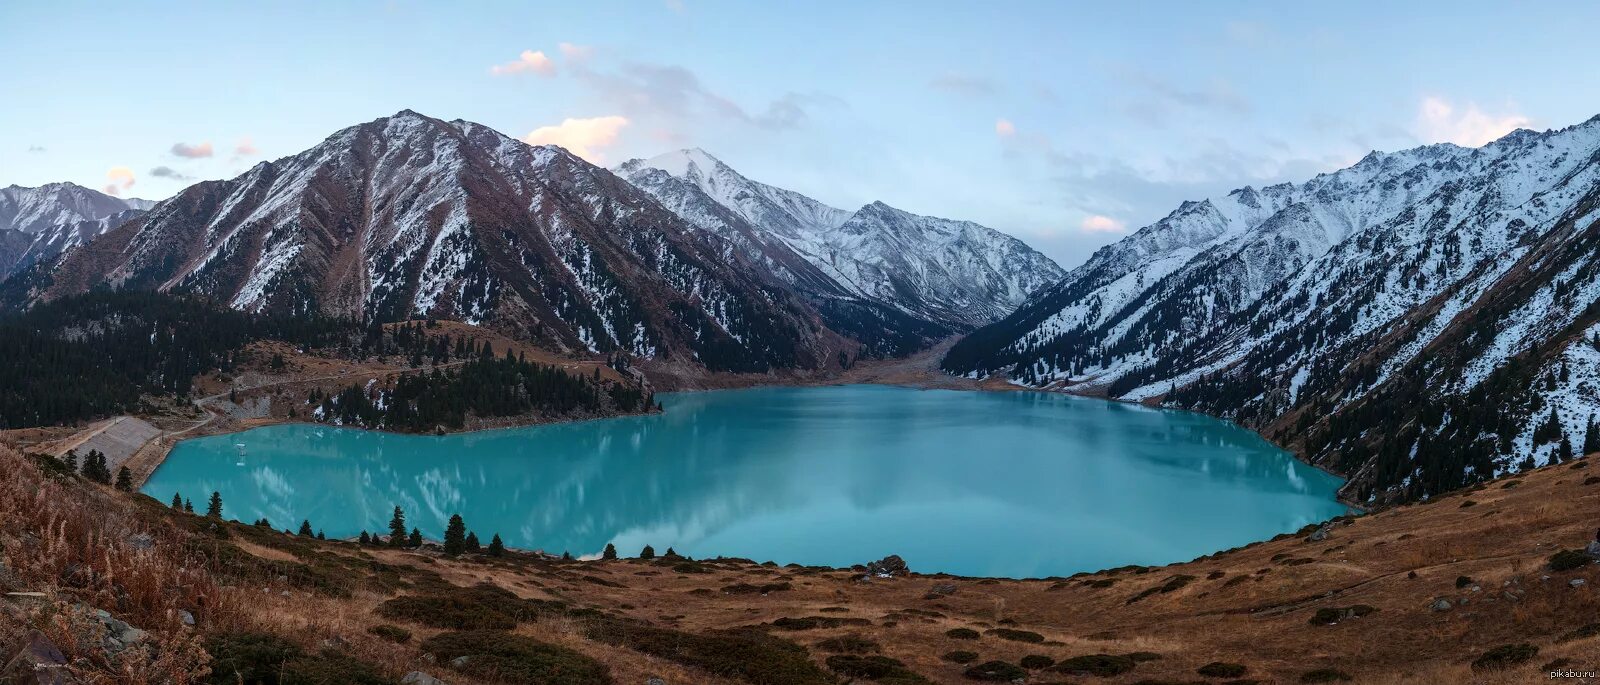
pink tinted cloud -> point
(529, 62)
(192, 151)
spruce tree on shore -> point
(416, 538)
(610, 552)
(647, 553)
(177, 501)
(124, 479)
(188, 506)
(397, 528)
(365, 539)
(305, 528)
(496, 547)
(473, 546)
(455, 532)
(214, 509)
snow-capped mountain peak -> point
(953, 273)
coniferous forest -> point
(98, 354)
(93, 355)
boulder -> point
(420, 678)
(39, 662)
(888, 566)
(1321, 533)
(1440, 605)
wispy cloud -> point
(119, 179)
(1158, 98)
(35, 148)
(188, 151)
(169, 173)
(660, 91)
(529, 62)
(963, 84)
(575, 52)
(245, 148)
(1004, 128)
(586, 138)
(1439, 120)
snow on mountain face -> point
(31, 210)
(954, 273)
(37, 224)
(1363, 317)
(410, 216)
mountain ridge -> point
(1291, 308)
(410, 216)
(955, 273)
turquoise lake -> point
(1014, 484)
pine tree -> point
(124, 479)
(416, 538)
(397, 528)
(71, 460)
(647, 553)
(188, 506)
(455, 536)
(473, 546)
(365, 539)
(1591, 437)
(214, 509)
(671, 553)
(610, 553)
(320, 536)
(177, 501)
(305, 528)
(496, 547)
(566, 556)
(1564, 450)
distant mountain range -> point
(955, 273)
(1414, 320)
(410, 216)
(36, 224)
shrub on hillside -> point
(1034, 662)
(877, 668)
(848, 644)
(1017, 635)
(1220, 669)
(961, 634)
(1324, 675)
(1505, 656)
(1103, 665)
(506, 657)
(744, 654)
(394, 634)
(995, 671)
(960, 656)
(1569, 559)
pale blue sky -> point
(1060, 122)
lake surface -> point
(1017, 484)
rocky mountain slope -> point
(956, 274)
(410, 216)
(1414, 321)
(36, 224)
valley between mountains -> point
(1424, 323)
